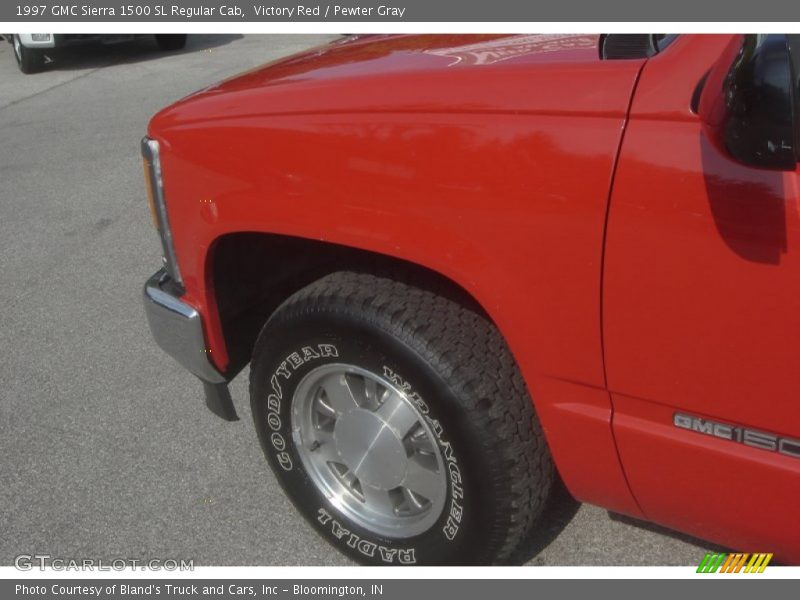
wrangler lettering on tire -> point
(398, 423)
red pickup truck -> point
(459, 265)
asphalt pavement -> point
(106, 447)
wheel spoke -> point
(324, 407)
(349, 479)
(379, 501)
(419, 441)
(412, 500)
(324, 453)
(371, 391)
(398, 414)
(323, 436)
(340, 395)
(422, 481)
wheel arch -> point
(249, 274)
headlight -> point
(158, 206)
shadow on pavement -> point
(665, 531)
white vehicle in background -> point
(32, 49)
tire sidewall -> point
(29, 60)
(16, 44)
(285, 353)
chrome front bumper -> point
(178, 329)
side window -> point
(794, 51)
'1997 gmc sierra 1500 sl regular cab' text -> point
(460, 266)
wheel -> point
(29, 60)
(172, 41)
(398, 423)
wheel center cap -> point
(370, 449)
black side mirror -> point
(749, 105)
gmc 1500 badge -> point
(743, 435)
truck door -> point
(701, 316)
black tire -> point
(29, 60)
(499, 470)
(171, 42)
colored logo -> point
(734, 563)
